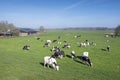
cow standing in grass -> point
(66, 45)
(73, 55)
(108, 48)
(26, 47)
(86, 59)
(47, 43)
(59, 53)
(50, 61)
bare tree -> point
(42, 29)
(117, 31)
(8, 27)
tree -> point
(42, 29)
(8, 27)
(117, 31)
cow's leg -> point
(44, 64)
(48, 65)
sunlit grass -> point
(16, 64)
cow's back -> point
(49, 60)
(46, 59)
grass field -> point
(16, 64)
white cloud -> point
(75, 5)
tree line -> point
(9, 28)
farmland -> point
(18, 64)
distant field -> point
(16, 64)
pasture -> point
(18, 64)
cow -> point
(46, 44)
(92, 43)
(82, 44)
(59, 53)
(55, 48)
(86, 59)
(50, 61)
(77, 36)
(66, 45)
(73, 55)
(108, 48)
(26, 47)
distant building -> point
(109, 34)
(5, 34)
(27, 31)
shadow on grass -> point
(103, 49)
(68, 56)
(41, 63)
(79, 60)
(45, 65)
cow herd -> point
(59, 53)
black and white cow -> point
(86, 59)
(59, 54)
(73, 56)
(55, 48)
(77, 36)
(47, 43)
(26, 47)
(108, 48)
(66, 45)
(50, 61)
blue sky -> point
(61, 13)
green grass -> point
(16, 64)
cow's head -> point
(55, 66)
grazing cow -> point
(26, 47)
(108, 48)
(62, 54)
(50, 61)
(73, 55)
(55, 48)
(66, 46)
(92, 44)
(85, 54)
(77, 36)
(46, 44)
(59, 54)
(82, 44)
(86, 59)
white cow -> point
(82, 44)
(85, 54)
(50, 61)
(49, 41)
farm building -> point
(27, 31)
(109, 34)
(5, 34)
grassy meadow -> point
(18, 64)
